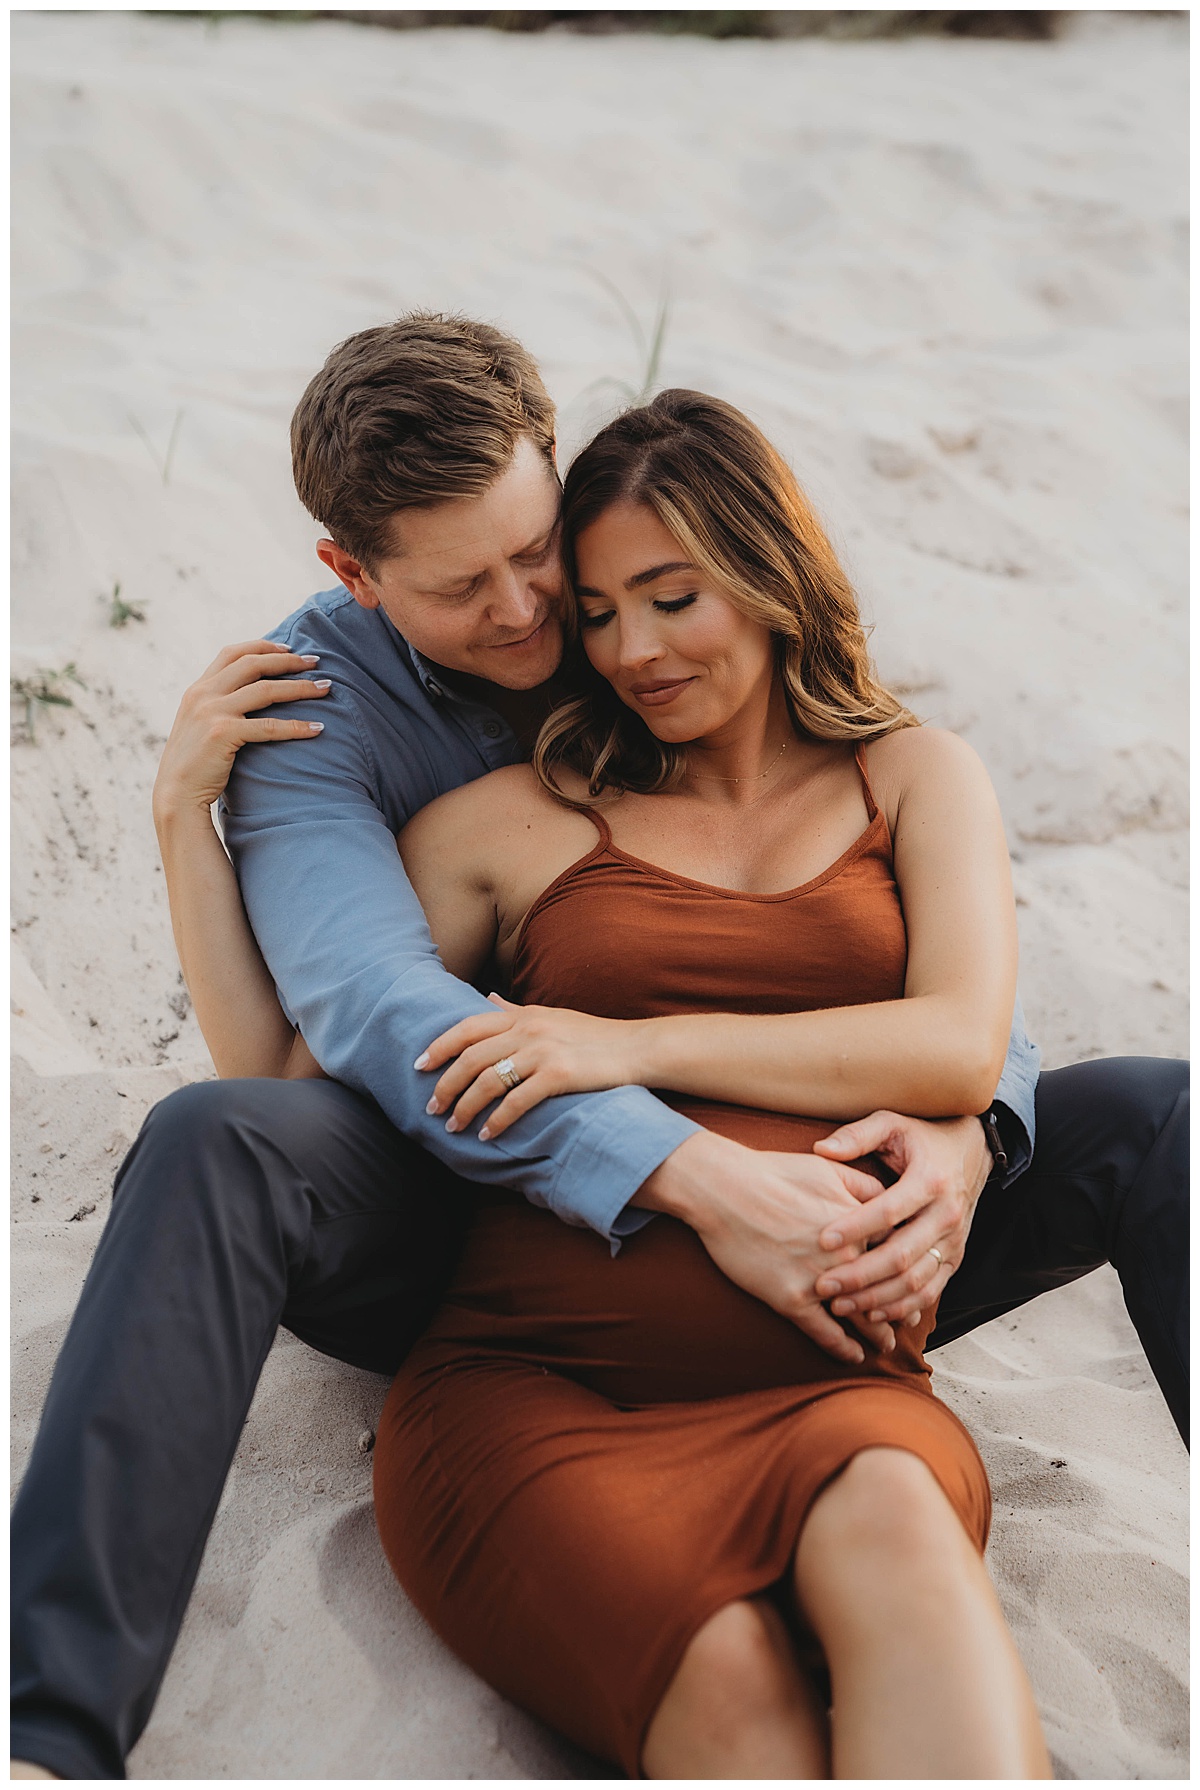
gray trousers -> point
(244, 1205)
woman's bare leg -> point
(926, 1679)
(739, 1705)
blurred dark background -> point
(720, 24)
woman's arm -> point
(936, 1053)
(231, 988)
(939, 1051)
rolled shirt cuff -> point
(611, 1157)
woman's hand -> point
(216, 716)
(554, 1050)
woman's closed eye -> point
(596, 618)
(672, 605)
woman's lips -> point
(655, 695)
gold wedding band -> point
(937, 1255)
(509, 1074)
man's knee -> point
(1132, 1098)
(1103, 1122)
(297, 1118)
(1142, 1094)
(199, 1141)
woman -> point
(637, 1500)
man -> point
(426, 450)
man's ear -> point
(348, 571)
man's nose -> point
(514, 600)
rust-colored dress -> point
(585, 1457)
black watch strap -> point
(995, 1143)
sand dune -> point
(949, 278)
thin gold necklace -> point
(758, 776)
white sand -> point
(949, 279)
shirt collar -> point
(431, 684)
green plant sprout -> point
(162, 461)
(649, 348)
(120, 612)
(41, 689)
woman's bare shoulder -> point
(921, 752)
(478, 814)
(916, 763)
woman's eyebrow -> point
(653, 572)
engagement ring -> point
(507, 1070)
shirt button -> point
(492, 729)
(434, 689)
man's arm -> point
(1015, 1097)
(346, 941)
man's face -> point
(476, 584)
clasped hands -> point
(820, 1242)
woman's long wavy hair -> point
(714, 480)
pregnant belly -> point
(655, 1324)
(757, 1130)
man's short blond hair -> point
(417, 411)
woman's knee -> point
(887, 1507)
(736, 1674)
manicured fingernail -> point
(310, 658)
(316, 727)
(422, 1061)
(858, 1357)
(322, 683)
(914, 1320)
(842, 1308)
(875, 1317)
(452, 1123)
(433, 1106)
(485, 1134)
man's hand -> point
(759, 1214)
(942, 1165)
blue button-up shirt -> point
(311, 826)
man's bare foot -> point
(22, 1768)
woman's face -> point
(672, 644)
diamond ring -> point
(508, 1072)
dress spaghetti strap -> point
(601, 826)
(868, 792)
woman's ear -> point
(349, 572)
